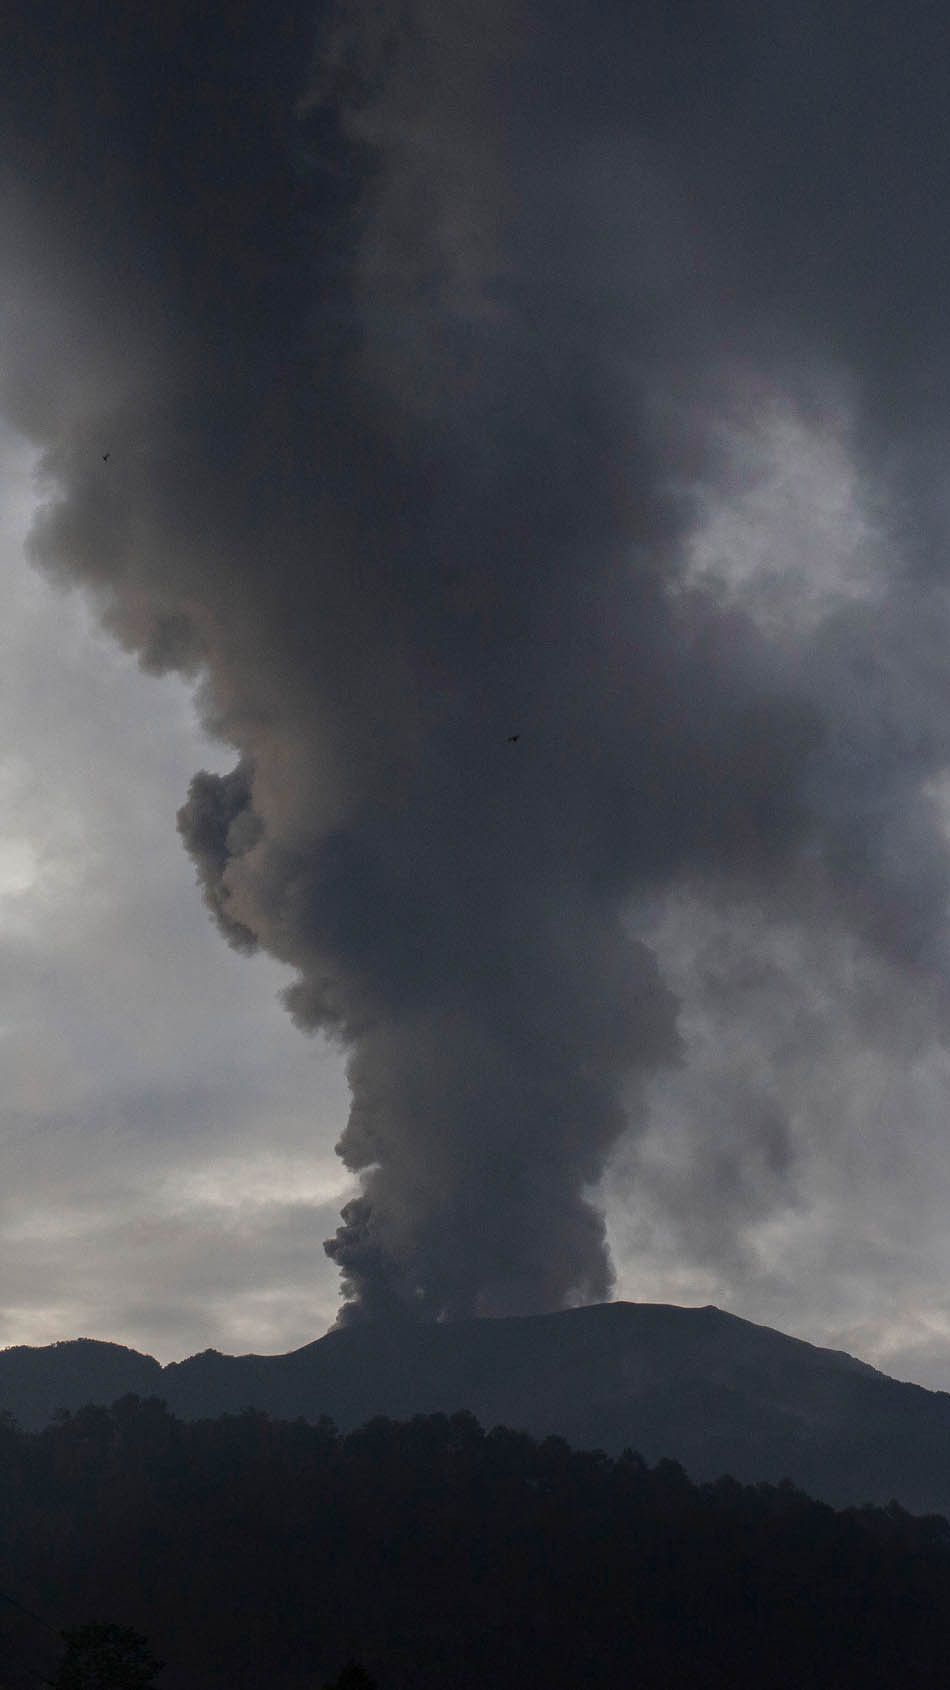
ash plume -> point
(405, 327)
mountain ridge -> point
(707, 1388)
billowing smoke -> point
(409, 331)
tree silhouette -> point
(443, 1554)
(353, 1677)
(106, 1657)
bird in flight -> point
(106, 456)
(513, 739)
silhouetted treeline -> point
(254, 1552)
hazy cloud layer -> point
(460, 378)
(165, 1134)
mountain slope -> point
(714, 1392)
(35, 1383)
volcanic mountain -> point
(716, 1393)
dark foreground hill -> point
(256, 1554)
(716, 1393)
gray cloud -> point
(411, 368)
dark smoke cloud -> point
(406, 348)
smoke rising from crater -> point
(406, 329)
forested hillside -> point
(716, 1393)
(256, 1553)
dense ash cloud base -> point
(405, 349)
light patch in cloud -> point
(259, 1181)
(18, 868)
(786, 529)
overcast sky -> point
(167, 1133)
(549, 378)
